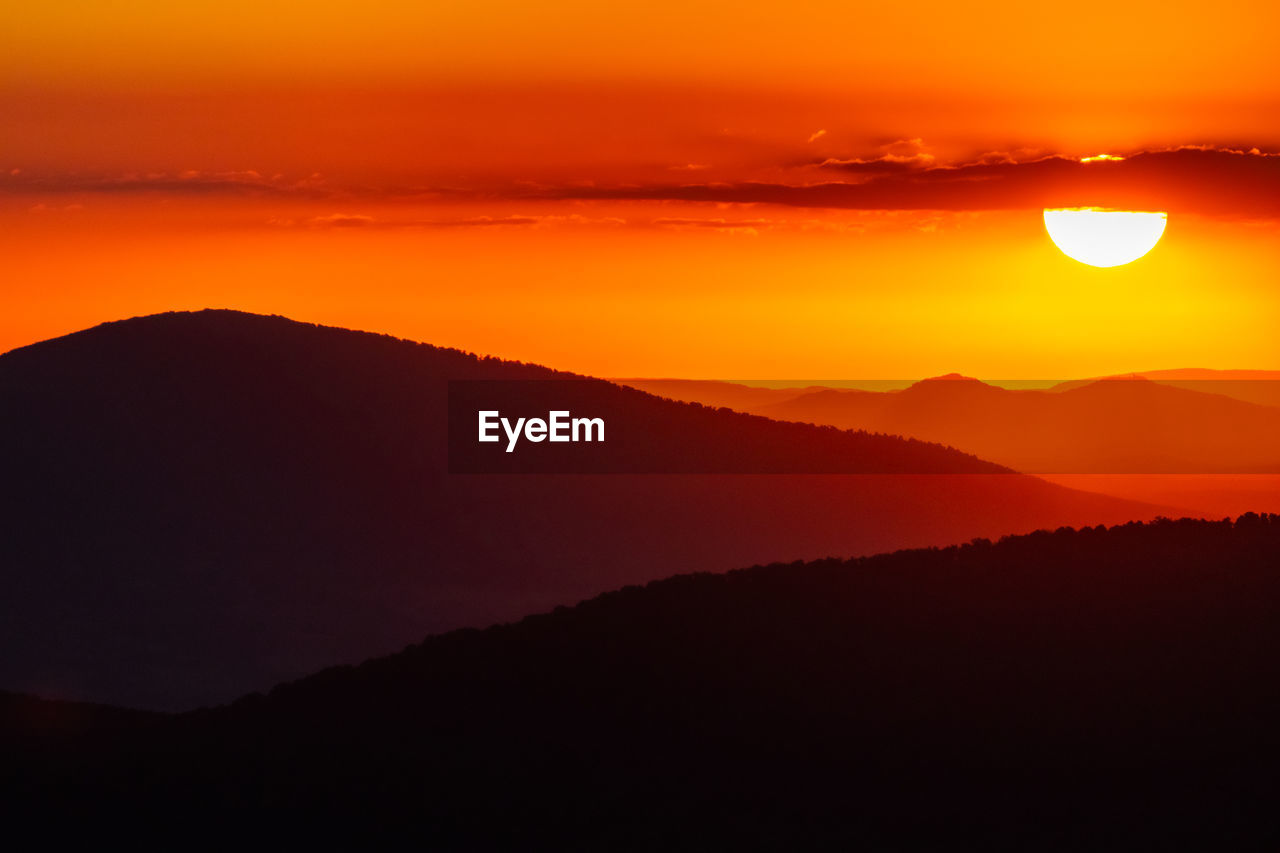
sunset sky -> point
(803, 190)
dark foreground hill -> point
(1099, 689)
(197, 505)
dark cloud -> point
(877, 166)
(903, 155)
(1215, 181)
(1201, 180)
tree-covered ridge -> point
(1100, 688)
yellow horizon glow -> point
(1104, 238)
(852, 294)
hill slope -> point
(198, 505)
(1092, 689)
(1252, 386)
(1122, 426)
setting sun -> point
(1104, 238)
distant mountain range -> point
(711, 392)
(1252, 386)
(1077, 690)
(195, 505)
(1197, 440)
(1125, 425)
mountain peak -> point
(950, 381)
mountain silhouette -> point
(1089, 689)
(1149, 445)
(196, 505)
(711, 392)
(1252, 386)
(1121, 426)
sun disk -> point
(1104, 238)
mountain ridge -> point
(197, 505)
(1107, 426)
(1072, 689)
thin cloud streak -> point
(365, 221)
(189, 182)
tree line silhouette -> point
(1095, 688)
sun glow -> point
(1104, 238)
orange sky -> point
(709, 189)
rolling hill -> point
(1093, 689)
(711, 392)
(1166, 422)
(196, 505)
(1118, 426)
(1252, 386)
(1201, 452)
